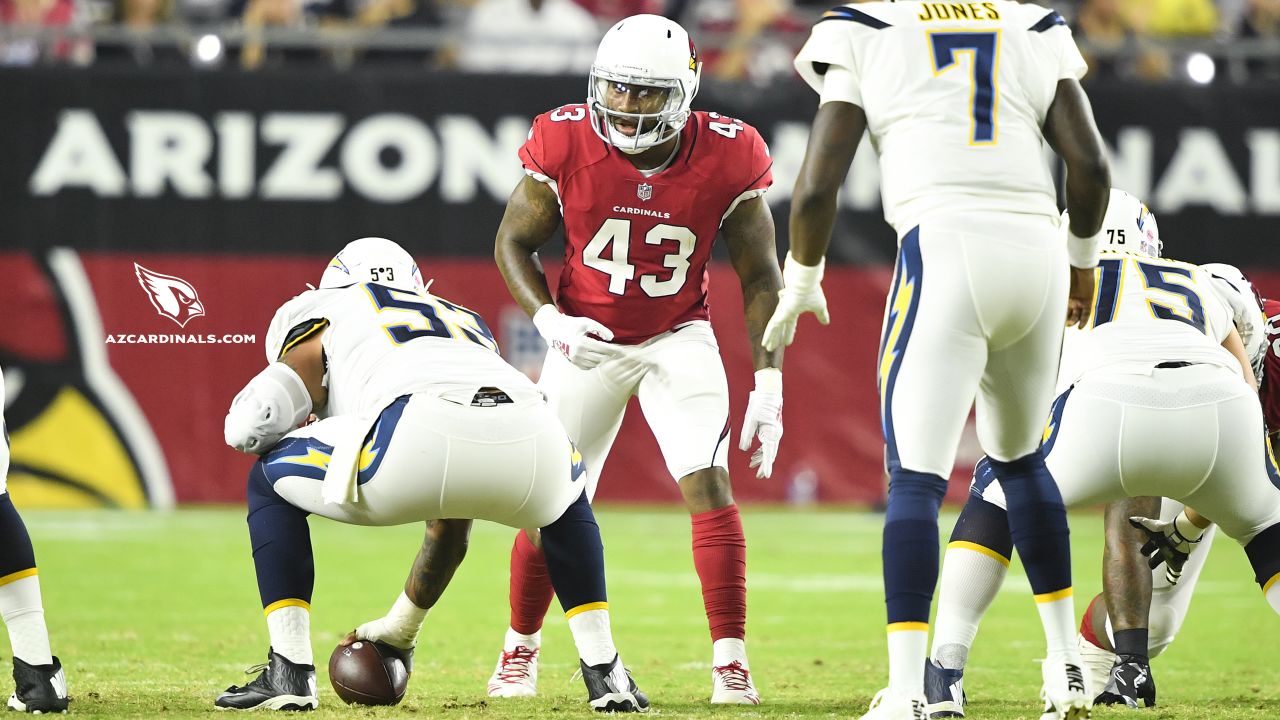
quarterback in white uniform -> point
(1158, 399)
(419, 419)
(960, 100)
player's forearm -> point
(759, 299)
(443, 548)
(523, 274)
(813, 216)
(833, 142)
(1072, 133)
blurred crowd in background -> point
(740, 40)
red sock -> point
(531, 592)
(720, 557)
(1086, 623)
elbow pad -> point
(273, 403)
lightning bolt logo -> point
(315, 457)
(369, 453)
(898, 312)
(1050, 428)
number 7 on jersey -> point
(984, 54)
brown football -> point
(364, 674)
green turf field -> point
(154, 614)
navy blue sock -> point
(575, 556)
(1037, 521)
(910, 549)
(985, 524)
(16, 553)
(281, 543)
(1264, 555)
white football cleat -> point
(1064, 693)
(516, 674)
(1097, 666)
(731, 685)
(885, 706)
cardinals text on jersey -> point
(637, 247)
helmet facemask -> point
(663, 109)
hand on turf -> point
(1165, 544)
(583, 341)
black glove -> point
(1166, 544)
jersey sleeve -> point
(830, 44)
(295, 321)
(538, 155)
(1068, 63)
(758, 176)
(544, 151)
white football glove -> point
(399, 628)
(1168, 542)
(801, 293)
(272, 405)
(572, 337)
(764, 420)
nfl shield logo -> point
(644, 191)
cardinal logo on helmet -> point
(171, 296)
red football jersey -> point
(636, 248)
(1271, 367)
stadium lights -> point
(1200, 68)
(208, 50)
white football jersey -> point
(1148, 311)
(381, 343)
(955, 95)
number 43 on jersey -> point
(614, 238)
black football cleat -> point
(1130, 682)
(39, 688)
(280, 685)
(611, 689)
(944, 691)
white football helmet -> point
(376, 260)
(1129, 227)
(1233, 288)
(654, 53)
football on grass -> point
(364, 674)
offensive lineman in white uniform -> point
(40, 685)
(421, 419)
(960, 99)
(1158, 399)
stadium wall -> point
(242, 185)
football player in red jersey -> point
(642, 185)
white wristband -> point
(769, 380)
(544, 319)
(1082, 252)
(1188, 529)
(800, 277)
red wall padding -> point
(831, 414)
